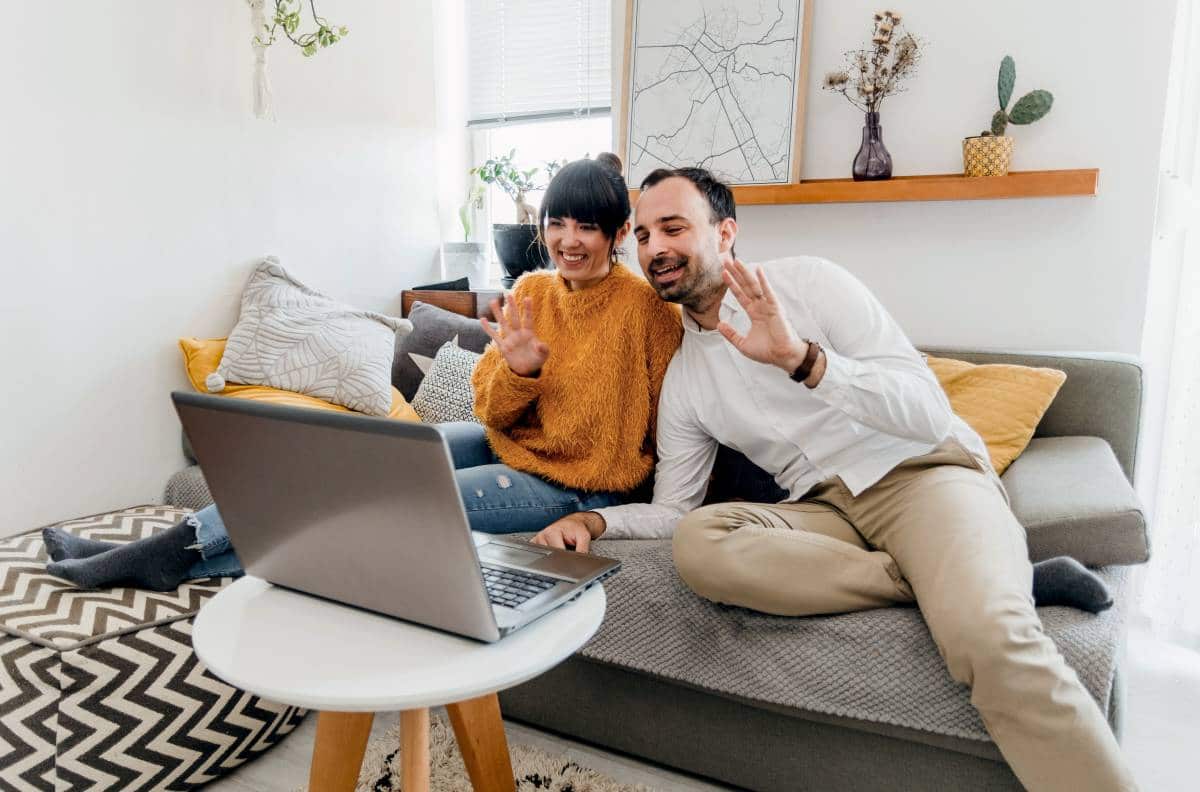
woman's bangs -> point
(576, 196)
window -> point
(539, 81)
(537, 59)
(537, 143)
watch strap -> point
(810, 359)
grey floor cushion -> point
(188, 489)
(878, 666)
(1073, 499)
(100, 690)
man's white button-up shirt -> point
(877, 404)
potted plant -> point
(287, 19)
(467, 258)
(873, 73)
(990, 152)
(285, 22)
(518, 245)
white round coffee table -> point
(349, 664)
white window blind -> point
(537, 59)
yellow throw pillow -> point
(201, 356)
(1002, 402)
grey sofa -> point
(858, 701)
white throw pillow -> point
(446, 393)
(293, 338)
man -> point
(891, 498)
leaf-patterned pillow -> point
(294, 338)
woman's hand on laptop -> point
(573, 532)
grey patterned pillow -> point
(291, 337)
(446, 393)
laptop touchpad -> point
(509, 555)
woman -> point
(567, 394)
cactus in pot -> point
(1029, 108)
(990, 153)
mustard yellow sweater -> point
(587, 420)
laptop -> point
(366, 511)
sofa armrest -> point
(1073, 499)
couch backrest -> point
(1102, 396)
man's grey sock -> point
(158, 563)
(61, 545)
(1065, 581)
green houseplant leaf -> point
(287, 20)
(1008, 77)
(999, 122)
(1031, 107)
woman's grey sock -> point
(1065, 581)
(159, 562)
(61, 545)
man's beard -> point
(694, 289)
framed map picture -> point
(715, 83)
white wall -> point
(1063, 273)
(137, 191)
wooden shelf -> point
(945, 187)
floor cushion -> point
(188, 489)
(101, 690)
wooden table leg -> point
(338, 752)
(480, 733)
(414, 750)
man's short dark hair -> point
(717, 193)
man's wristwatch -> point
(810, 359)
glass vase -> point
(872, 161)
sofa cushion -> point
(200, 359)
(291, 337)
(1073, 499)
(101, 690)
(432, 327)
(446, 393)
(1002, 403)
(202, 355)
(1102, 396)
(877, 666)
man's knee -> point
(993, 640)
(700, 559)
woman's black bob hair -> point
(588, 191)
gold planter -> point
(987, 155)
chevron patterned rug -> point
(100, 690)
(534, 769)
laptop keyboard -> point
(510, 587)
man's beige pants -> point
(938, 530)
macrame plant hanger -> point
(262, 84)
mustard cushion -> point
(201, 357)
(1003, 403)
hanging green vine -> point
(287, 20)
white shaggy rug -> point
(533, 768)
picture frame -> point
(719, 84)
